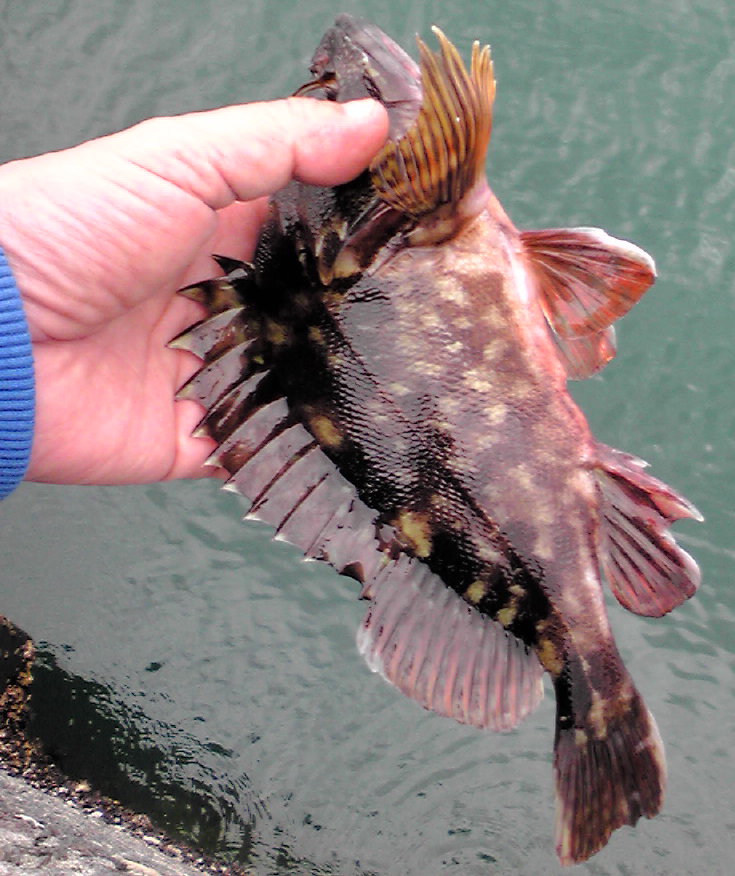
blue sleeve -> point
(17, 386)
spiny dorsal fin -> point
(442, 156)
(222, 293)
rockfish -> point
(387, 383)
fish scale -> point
(387, 384)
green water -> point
(210, 676)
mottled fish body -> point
(387, 383)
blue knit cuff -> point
(17, 387)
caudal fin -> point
(605, 779)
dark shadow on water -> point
(90, 734)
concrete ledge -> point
(42, 832)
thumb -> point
(244, 152)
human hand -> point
(100, 237)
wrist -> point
(17, 387)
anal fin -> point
(427, 641)
(298, 490)
(646, 569)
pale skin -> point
(100, 237)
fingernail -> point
(363, 111)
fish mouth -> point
(327, 82)
(356, 60)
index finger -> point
(244, 152)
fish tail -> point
(608, 773)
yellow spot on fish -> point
(435, 231)
(520, 389)
(494, 350)
(487, 440)
(475, 592)
(449, 289)
(543, 547)
(430, 320)
(336, 228)
(439, 500)
(493, 318)
(479, 380)
(332, 298)
(596, 716)
(549, 656)
(488, 554)
(585, 486)
(346, 264)
(449, 406)
(426, 368)
(399, 389)
(522, 476)
(545, 510)
(340, 225)
(326, 431)
(465, 465)
(316, 336)
(415, 526)
(496, 414)
(507, 615)
(276, 333)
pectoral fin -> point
(585, 356)
(646, 569)
(585, 280)
(442, 155)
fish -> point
(387, 383)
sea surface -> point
(200, 672)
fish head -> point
(428, 181)
(354, 60)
